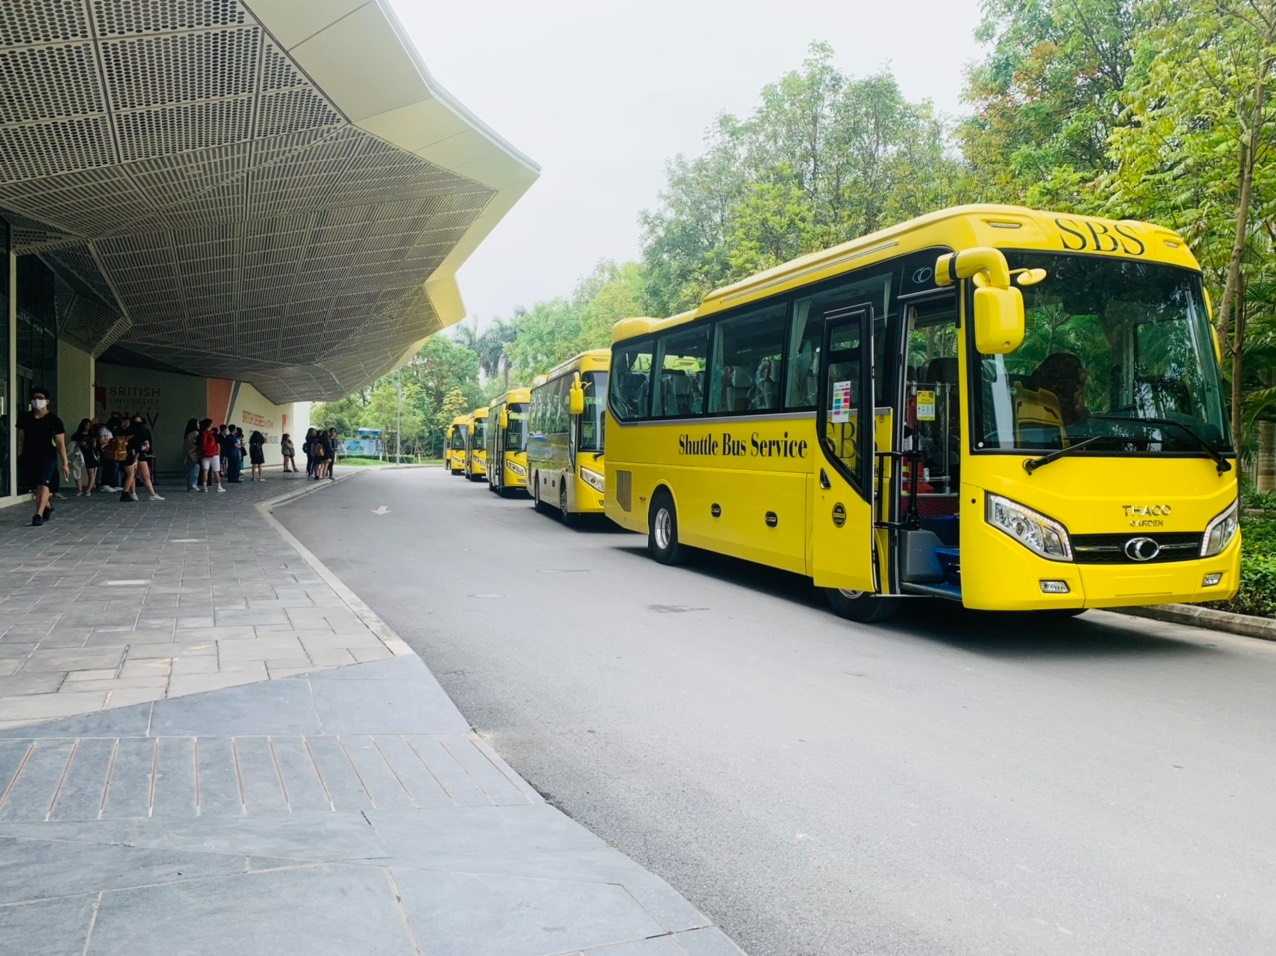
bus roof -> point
(595, 360)
(460, 420)
(960, 227)
(513, 395)
(478, 413)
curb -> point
(1193, 616)
(369, 617)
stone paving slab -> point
(183, 827)
(114, 604)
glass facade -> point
(37, 335)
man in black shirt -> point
(41, 445)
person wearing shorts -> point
(210, 462)
(41, 445)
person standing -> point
(41, 445)
(308, 449)
(322, 453)
(210, 462)
(334, 446)
(289, 453)
(106, 464)
(190, 453)
(84, 457)
(241, 452)
(138, 462)
(257, 455)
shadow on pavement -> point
(991, 633)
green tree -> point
(1047, 96)
(1196, 153)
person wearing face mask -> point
(41, 446)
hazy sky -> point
(602, 92)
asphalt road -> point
(948, 783)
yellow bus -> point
(1013, 409)
(454, 445)
(565, 446)
(476, 446)
(507, 442)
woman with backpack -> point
(210, 462)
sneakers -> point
(132, 496)
(124, 496)
(110, 488)
(37, 521)
(48, 513)
(155, 497)
(201, 489)
(220, 488)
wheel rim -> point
(663, 528)
(850, 595)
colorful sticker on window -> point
(841, 410)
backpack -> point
(208, 446)
(119, 448)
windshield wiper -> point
(1220, 463)
(1032, 464)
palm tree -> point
(490, 347)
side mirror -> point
(999, 320)
(576, 400)
(505, 418)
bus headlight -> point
(593, 479)
(1220, 532)
(1032, 529)
(516, 468)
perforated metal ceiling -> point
(208, 205)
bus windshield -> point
(516, 434)
(591, 422)
(1115, 350)
(480, 434)
(458, 438)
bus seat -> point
(1038, 418)
(675, 392)
(764, 392)
(942, 370)
(739, 381)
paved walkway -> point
(244, 783)
(113, 604)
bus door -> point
(496, 467)
(843, 543)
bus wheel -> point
(569, 519)
(860, 606)
(536, 493)
(662, 538)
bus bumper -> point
(1005, 576)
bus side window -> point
(631, 383)
(681, 361)
(746, 357)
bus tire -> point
(569, 519)
(662, 533)
(860, 606)
(536, 493)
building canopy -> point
(272, 191)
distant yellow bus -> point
(476, 446)
(454, 445)
(507, 442)
(565, 445)
(1012, 409)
